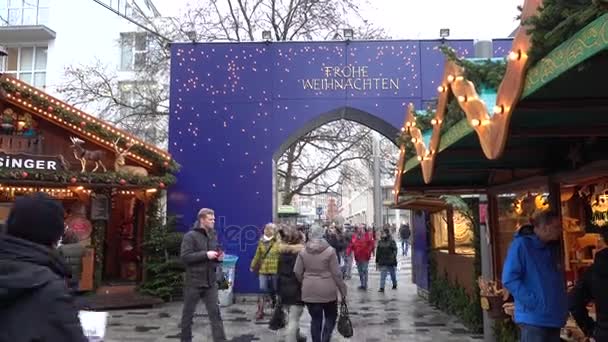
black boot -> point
(381, 289)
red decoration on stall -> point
(73, 180)
(80, 226)
(123, 182)
(24, 174)
(165, 164)
(161, 185)
(83, 123)
(18, 94)
(50, 109)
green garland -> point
(165, 166)
(93, 178)
(557, 21)
(97, 242)
(487, 74)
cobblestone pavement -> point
(396, 315)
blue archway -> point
(234, 106)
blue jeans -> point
(362, 269)
(383, 273)
(531, 333)
(405, 246)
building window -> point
(27, 64)
(24, 12)
(134, 50)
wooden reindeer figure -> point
(83, 155)
(119, 162)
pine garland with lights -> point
(165, 166)
(453, 115)
(486, 74)
(93, 178)
(557, 21)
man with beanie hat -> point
(35, 304)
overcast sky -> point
(417, 19)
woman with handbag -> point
(318, 270)
(290, 289)
(265, 263)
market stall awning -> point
(557, 124)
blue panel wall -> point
(233, 105)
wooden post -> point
(451, 240)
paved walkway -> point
(397, 315)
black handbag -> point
(345, 326)
(278, 319)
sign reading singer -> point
(29, 162)
(355, 77)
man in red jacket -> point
(362, 246)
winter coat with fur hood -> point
(290, 289)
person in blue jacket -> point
(533, 275)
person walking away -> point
(592, 287)
(200, 255)
(317, 269)
(347, 265)
(265, 263)
(404, 234)
(72, 251)
(533, 275)
(362, 247)
(35, 303)
(386, 258)
(335, 239)
(289, 287)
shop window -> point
(462, 227)
(24, 12)
(464, 235)
(27, 64)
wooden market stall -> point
(103, 176)
(542, 146)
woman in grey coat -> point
(318, 270)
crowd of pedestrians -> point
(40, 264)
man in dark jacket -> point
(592, 287)
(533, 275)
(35, 304)
(404, 234)
(386, 258)
(199, 252)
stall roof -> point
(562, 109)
(81, 124)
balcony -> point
(24, 21)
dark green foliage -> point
(98, 238)
(486, 74)
(84, 178)
(557, 21)
(163, 268)
(505, 331)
